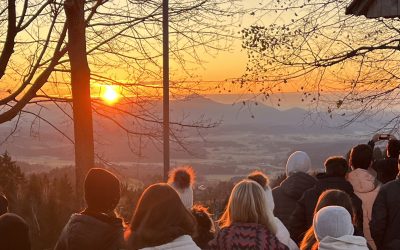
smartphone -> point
(384, 136)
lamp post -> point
(165, 29)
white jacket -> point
(185, 242)
(366, 187)
(186, 195)
(282, 233)
(347, 242)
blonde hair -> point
(248, 204)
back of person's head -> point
(298, 161)
(361, 156)
(3, 204)
(393, 148)
(159, 218)
(336, 166)
(332, 221)
(182, 177)
(247, 204)
(260, 178)
(205, 226)
(14, 233)
(102, 190)
(332, 197)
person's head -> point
(247, 204)
(205, 226)
(260, 178)
(332, 197)
(299, 161)
(332, 221)
(102, 190)
(3, 204)
(393, 148)
(336, 166)
(361, 156)
(14, 233)
(182, 177)
(159, 218)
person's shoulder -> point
(394, 184)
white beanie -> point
(333, 221)
(299, 161)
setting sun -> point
(110, 95)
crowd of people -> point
(354, 204)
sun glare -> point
(110, 95)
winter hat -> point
(14, 233)
(299, 161)
(333, 221)
(3, 204)
(102, 190)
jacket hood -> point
(269, 198)
(299, 161)
(347, 242)
(87, 230)
(362, 180)
(295, 185)
(184, 242)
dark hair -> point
(393, 148)
(332, 197)
(336, 166)
(205, 226)
(182, 177)
(102, 190)
(14, 233)
(259, 177)
(160, 217)
(361, 156)
(3, 204)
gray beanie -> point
(333, 221)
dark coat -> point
(289, 192)
(302, 217)
(386, 169)
(92, 233)
(385, 222)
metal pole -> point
(165, 88)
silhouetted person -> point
(281, 231)
(386, 168)
(333, 178)
(247, 222)
(385, 222)
(3, 204)
(161, 221)
(205, 226)
(334, 230)
(364, 183)
(297, 181)
(97, 227)
(182, 180)
(14, 233)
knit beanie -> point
(299, 161)
(14, 233)
(102, 190)
(333, 221)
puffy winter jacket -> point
(90, 233)
(366, 187)
(289, 192)
(385, 222)
(302, 217)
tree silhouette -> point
(344, 65)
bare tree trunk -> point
(80, 84)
